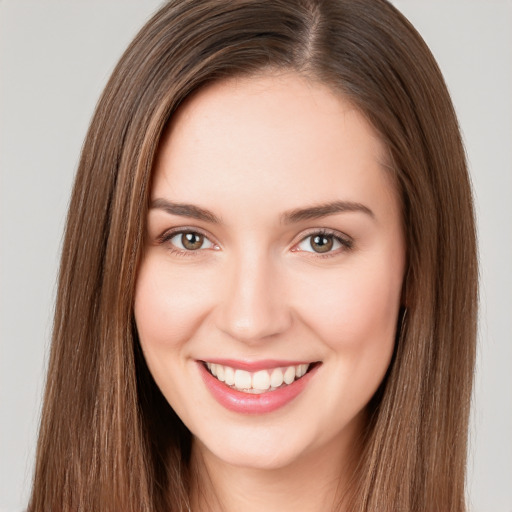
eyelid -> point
(167, 235)
(346, 241)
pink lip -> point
(254, 366)
(247, 403)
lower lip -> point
(248, 403)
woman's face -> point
(274, 248)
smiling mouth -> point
(261, 381)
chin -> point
(260, 446)
(257, 455)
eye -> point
(189, 241)
(323, 242)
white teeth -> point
(220, 372)
(289, 375)
(242, 379)
(260, 381)
(276, 378)
(300, 370)
(229, 375)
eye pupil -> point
(322, 243)
(192, 241)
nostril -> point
(252, 306)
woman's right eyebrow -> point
(185, 210)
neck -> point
(317, 481)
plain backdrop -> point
(55, 57)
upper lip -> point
(254, 366)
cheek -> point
(355, 308)
(169, 307)
(354, 314)
(169, 304)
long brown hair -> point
(108, 439)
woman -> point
(267, 295)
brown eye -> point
(322, 243)
(186, 241)
(192, 241)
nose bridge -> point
(253, 306)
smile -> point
(257, 387)
(260, 381)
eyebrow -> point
(289, 217)
(185, 210)
(323, 210)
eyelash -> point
(166, 237)
(345, 242)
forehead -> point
(267, 140)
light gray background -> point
(55, 57)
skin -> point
(249, 150)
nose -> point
(253, 305)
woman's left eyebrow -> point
(323, 210)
